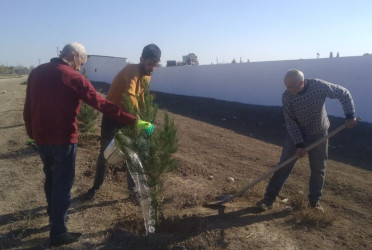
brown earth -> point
(219, 139)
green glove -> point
(30, 141)
(146, 127)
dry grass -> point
(304, 215)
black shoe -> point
(265, 204)
(89, 195)
(65, 239)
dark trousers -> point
(318, 161)
(108, 129)
(59, 170)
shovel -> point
(226, 198)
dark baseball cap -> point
(151, 51)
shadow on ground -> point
(13, 126)
(19, 153)
(17, 238)
(173, 231)
(128, 233)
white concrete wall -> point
(262, 82)
(103, 68)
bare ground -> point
(219, 139)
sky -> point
(217, 31)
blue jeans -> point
(59, 170)
(318, 161)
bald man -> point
(306, 122)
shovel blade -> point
(219, 201)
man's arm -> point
(293, 129)
(292, 126)
(132, 93)
(334, 91)
(27, 110)
(86, 92)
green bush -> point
(87, 119)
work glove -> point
(146, 127)
(31, 142)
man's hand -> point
(146, 127)
(32, 143)
(350, 123)
(300, 152)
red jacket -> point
(53, 99)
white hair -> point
(295, 74)
(72, 48)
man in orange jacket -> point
(128, 81)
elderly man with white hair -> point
(54, 94)
(306, 122)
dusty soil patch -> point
(218, 139)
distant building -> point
(19, 70)
(181, 64)
(22, 70)
(171, 63)
(103, 68)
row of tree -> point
(15, 70)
